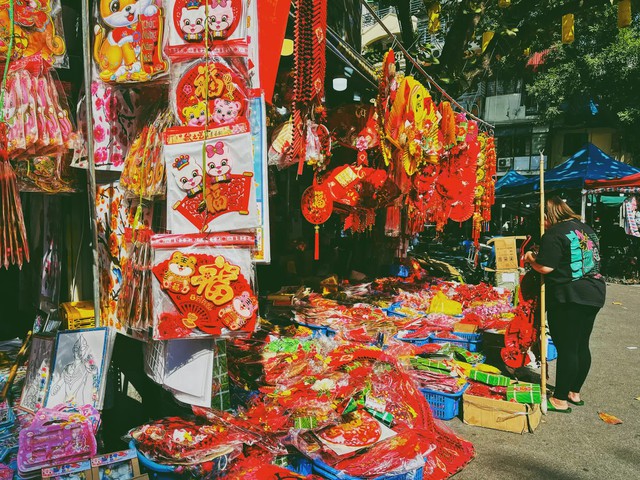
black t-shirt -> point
(572, 249)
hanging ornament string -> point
(206, 108)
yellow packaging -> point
(78, 315)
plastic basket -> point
(168, 472)
(470, 341)
(418, 342)
(552, 352)
(330, 473)
(300, 465)
(444, 406)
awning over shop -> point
(588, 164)
(510, 178)
(628, 184)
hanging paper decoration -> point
(485, 189)
(35, 31)
(624, 13)
(568, 29)
(210, 89)
(189, 20)
(448, 125)
(210, 185)
(386, 96)
(128, 42)
(202, 288)
(486, 39)
(317, 207)
(310, 63)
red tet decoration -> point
(317, 207)
(209, 293)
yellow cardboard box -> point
(500, 415)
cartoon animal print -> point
(238, 314)
(225, 111)
(220, 18)
(118, 52)
(218, 163)
(188, 175)
(177, 278)
(196, 115)
(192, 21)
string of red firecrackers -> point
(485, 189)
(310, 31)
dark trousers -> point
(570, 325)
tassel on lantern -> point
(316, 248)
(504, 3)
(568, 28)
(434, 17)
(486, 39)
(624, 13)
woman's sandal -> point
(579, 403)
(552, 408)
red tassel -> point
(316, 251)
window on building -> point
(574, 142)
(521, 145)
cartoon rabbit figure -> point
(220, 18)
(218, 163)
(192, 21)
(117, 52)
(225, 111)
(188, 175)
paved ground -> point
(578, 446)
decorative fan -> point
(386, 90)
(317, 208)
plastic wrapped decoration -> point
(202, 286)
(210, 185)
(37, 114)
(209, 93)
(485, 189)
(144, 173)
(189, 21)
(386, 96)
(128, 40)
(37, 31)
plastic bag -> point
(202, 286)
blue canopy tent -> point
(509, 179)
(589, 163)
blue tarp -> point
(590, 163)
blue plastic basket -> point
(444, 406)
(300, 465)
(470, 341)
(552, 352)
(325, 471)
(168, 472)
(416, 341)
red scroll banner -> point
(272, 25)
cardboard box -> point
(465, 327)
(500, 415)
(506, 253)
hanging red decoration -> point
(317, 208)
(310, 62)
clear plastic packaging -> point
(203, 286)
(189, 21)
(210, 179)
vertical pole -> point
(543, 303)
(583, 211)
(91, 171)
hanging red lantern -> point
(317, 208)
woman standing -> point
(569, 258)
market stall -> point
(189, 123)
